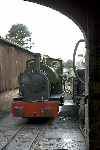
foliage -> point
(20, 35)
(68, 76)
(68, 64)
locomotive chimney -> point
(33, 64)
(37, 62)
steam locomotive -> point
(79, 97)
(40, 88)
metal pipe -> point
(74, 54)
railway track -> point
(8, 141)
(20, 134)
(23, 138)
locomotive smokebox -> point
(34, 86)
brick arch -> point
(74, 10)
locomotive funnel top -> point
(33, 65)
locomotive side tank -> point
(40, 91)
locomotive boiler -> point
(40, 88)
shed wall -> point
(12, 62)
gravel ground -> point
(5, 101)
(62, 133)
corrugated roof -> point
(18, 46)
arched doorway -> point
(85, 15)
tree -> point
(20, 35)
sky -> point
(53, 33)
